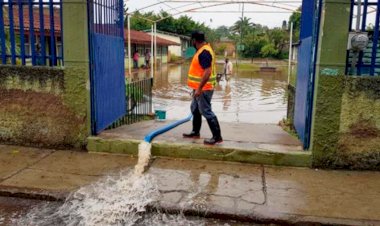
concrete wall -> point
(173, 50)
(39, 107)
(49, 107)
(229, 48)
(347, 123)
(346, 113)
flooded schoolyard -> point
(250, 96)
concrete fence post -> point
(76, 52)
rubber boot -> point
(216, 133)
(197, 123)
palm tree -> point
(242, 26)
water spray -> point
(146, 145)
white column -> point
(151, 52)
(155, 44)
(359, 15)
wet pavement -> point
(248, 96)
(203, 188)
(15, 210)
(268, 134)
(265, 144)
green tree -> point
(222, 32)
(139, 22)
(279, 39)
(268, 50)
(168, 24)
(243, 26)
(253, 44)
(295, 18)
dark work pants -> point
(202, 106)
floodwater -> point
(248, 96)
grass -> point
(246, 67)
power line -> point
(217, 3)
(232, 12)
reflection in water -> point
(249, 96)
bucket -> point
(160, 115)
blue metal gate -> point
(369, 58)
(106, 42)
(310, 18)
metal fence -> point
(31, 32)
(368, 62)
(138, 102)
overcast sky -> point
(272, 13)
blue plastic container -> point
(160, 115)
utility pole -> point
(129, 44)
(290, 52)
(151, 51)
(241, 37)
(155, 45)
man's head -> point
(197, 38)
(227, 60)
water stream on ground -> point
(113, 200)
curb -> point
(193, 151)
(251, 217)
(268, 218)
(32, 193)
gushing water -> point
(113, 200)
(117, 200)
(144, 157)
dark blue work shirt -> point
(205, 59)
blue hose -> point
(148, 138)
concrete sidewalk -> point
(258, 193)
(265, 144)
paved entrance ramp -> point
(251, 143)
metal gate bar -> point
(106, 34)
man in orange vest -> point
(202, 79)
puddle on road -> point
(248, 97)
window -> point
(164, 50)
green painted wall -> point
(359, 144)
(76, 52)
(50, 107)
(34, 110)
(326, 119)
(347, 123)
(346, 114)
(330, 68)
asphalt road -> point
(18, 211)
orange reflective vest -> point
(196, 71)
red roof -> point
(36, 19)
(139, 37)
